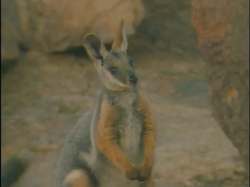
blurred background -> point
(192, 61)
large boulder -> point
(10, 35)
(53, 25)
(57, 25)
(9, 41)
(167, 26)
(223, 31)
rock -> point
(10, 36)
(9, 44)
(182, 156)
(167, 25)
(57, 25)
(223, 29)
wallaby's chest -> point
(129, 131)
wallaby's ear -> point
(120, 41)
(94, 47)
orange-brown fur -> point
(148, 182)
(107, 144)
(148, 137)
(107, 140)
(119, 39)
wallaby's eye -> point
(113, 70)
(131, 63)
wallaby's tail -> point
(12, 170)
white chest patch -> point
(129, 132)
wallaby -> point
(115, 141)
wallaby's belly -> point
(110, 176)
(129, 140)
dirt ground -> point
(43, 97)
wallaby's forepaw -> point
(131, 172)
(144, 172)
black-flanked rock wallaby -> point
(113, 144)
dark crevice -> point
(108, 46)
(6, 65)
(23, 48)
(78, 52)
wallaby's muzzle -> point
(133, 79)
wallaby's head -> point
(114, 67)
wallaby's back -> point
(78, 141)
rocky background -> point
(199, 99)
(50, 26)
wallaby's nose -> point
(133, 79)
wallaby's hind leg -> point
(78, 178)
(148, 182)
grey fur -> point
(78, 141)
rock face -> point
(167, 26)
(53, 25)
(223, 28)
(56, 25)
(10, 35)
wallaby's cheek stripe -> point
(112, 83)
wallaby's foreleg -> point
(107, 141)
(78, 178)
(148, 138)
(148, 182)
